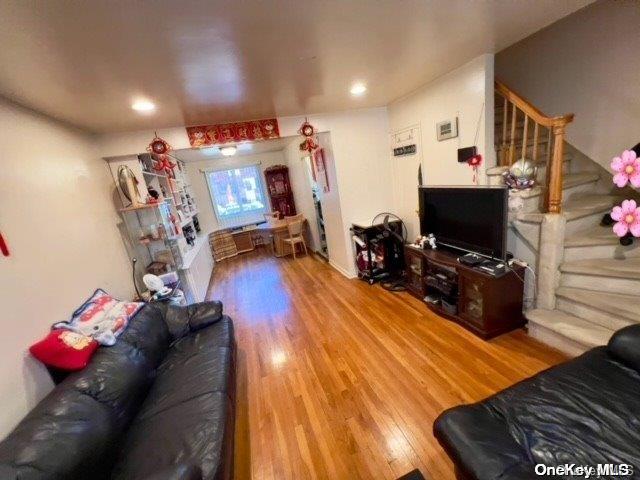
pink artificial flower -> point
(627, 217)
(627, 167)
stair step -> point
(620, 276)
(576, 208)
(566, 332)
(542, 159)
(593, 237)
(597, 242)
(609, 310)
(605, 267)
(570, 180)
(585, 211)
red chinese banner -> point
(206, 135)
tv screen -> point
(469, 218)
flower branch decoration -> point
(627, 168)
(627, 218)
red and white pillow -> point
(64, 349)
(98, 321)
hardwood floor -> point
(341, 380)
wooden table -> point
(278, 229)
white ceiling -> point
(204, 61)
(244, 149)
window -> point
(238, 195)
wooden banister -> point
(554, 142)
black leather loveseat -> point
(584, 412)
(159, 404)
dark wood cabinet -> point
(482, 303)
(414, 267)
(279, 188)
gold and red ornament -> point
(475, 162)
(310, 143)
(158, 146)
(159, 150)
(207, 135)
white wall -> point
(466, 93)
(586, 63)
(206, 215)
(360, 149)
(331, 205)
(58, 217)
(301, 186)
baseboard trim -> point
(342, 270)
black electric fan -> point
(395, 282)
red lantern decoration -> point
(475, 162)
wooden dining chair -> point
(295, 236)
(275, 215)
(294, 218)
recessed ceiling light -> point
(228, 151)
(358, 89)
(143, 106)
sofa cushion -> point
(585, 411)
(74, 432)
(625, 346)
(68, 435)
(191, 432)
(183, 418)
(183, 320)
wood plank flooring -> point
(341, 380)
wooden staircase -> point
(597, 284)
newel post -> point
(554, 195)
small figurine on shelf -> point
(154, 196)
(429, 241)
(174, 223)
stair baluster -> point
(555, 137)
(534, 154)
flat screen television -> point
(473, 219)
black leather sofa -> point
(583, 412)
(159, 404)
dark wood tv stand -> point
(486, 305)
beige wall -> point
(57, 215)
(466, 93)
(206, 215)
(586, 63)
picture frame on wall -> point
(320, 170)
(447, 129)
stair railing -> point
(511, 148)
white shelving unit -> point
(156, 231)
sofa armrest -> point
(183, 320)
(480, 444)
(178, 472)
(624, 345)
